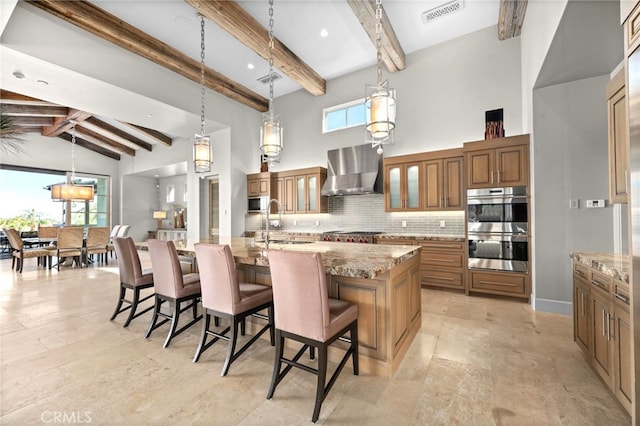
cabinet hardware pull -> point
(498, 173)
(491, 176)
(621, 297)
(446, 202)
(611, 317)
(582, 274)
(604, 325)
(497, 283)
(598, 284)
(582, 300)
(438, 278)
(439, 260)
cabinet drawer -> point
(633, 27)
(441, 278)
(581, 270)
(601, 281)
(510, 284)
(620, 292)
(441, 259)
(443, 245)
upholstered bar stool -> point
(305, 313)
(171, 286)
(223, 296)
(132, 277)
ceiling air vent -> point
(442, 10)
(265, 79)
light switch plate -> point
(404, 223)
(574, 204)
(595, 204)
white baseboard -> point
(554, 306)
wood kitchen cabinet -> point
(259, 184)
(602, 328)
(618, 136)
(512, 284)
(299, 190)
(581, 326)
(402, 185)
(497, 162)
(442, 264)
(443, 187)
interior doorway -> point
(214, 207)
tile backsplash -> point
(364, 213)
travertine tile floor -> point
(476, 361)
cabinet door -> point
(452, 191)
(412, 189)
(581, 333)
(313, 194)
(618, 142)
(394, 187)
(433, 173)
(603, 345)
(253, 187)
(289, 195)
(480, 173)
(512, 166)
(301, 194)
(624, 358)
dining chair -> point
(223, 296)
(97, 243)
(70, 244)
(112, 236)
(19, 252)
(123, 230)
(305, 313)
(173, 287)
(132, 277)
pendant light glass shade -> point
(202, 154)
(380, 110)
(271, 136)
(71, 192)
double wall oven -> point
(498, 229)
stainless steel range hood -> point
(353, 171)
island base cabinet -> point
(500, 283)
(581, 333)
(603, 345)
(389, 312)
(623, 365)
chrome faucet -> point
(266, 240)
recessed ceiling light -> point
(250, 66)
(43, 82)
(324, 33)
(18, 74)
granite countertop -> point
(613, 265)
(342, 259)
(387, 236)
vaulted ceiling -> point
(302, 63)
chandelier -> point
(71, 191)
(202, 143)
(271, 138)
(380, 104)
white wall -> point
(141, 197)
(441, 96)
(570, 124)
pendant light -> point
(202, 143)
(271, 138)
(380, 104)
(70, 191)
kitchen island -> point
(384, 281)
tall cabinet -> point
(618, 139)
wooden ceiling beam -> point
(510, 18)
(153, 134)
(392, 54)
(108, 27)
(17, 110)
(232, 18)
(108, 128)
(90, 146)
(33, 122)
(64, 124)
(97, 138)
